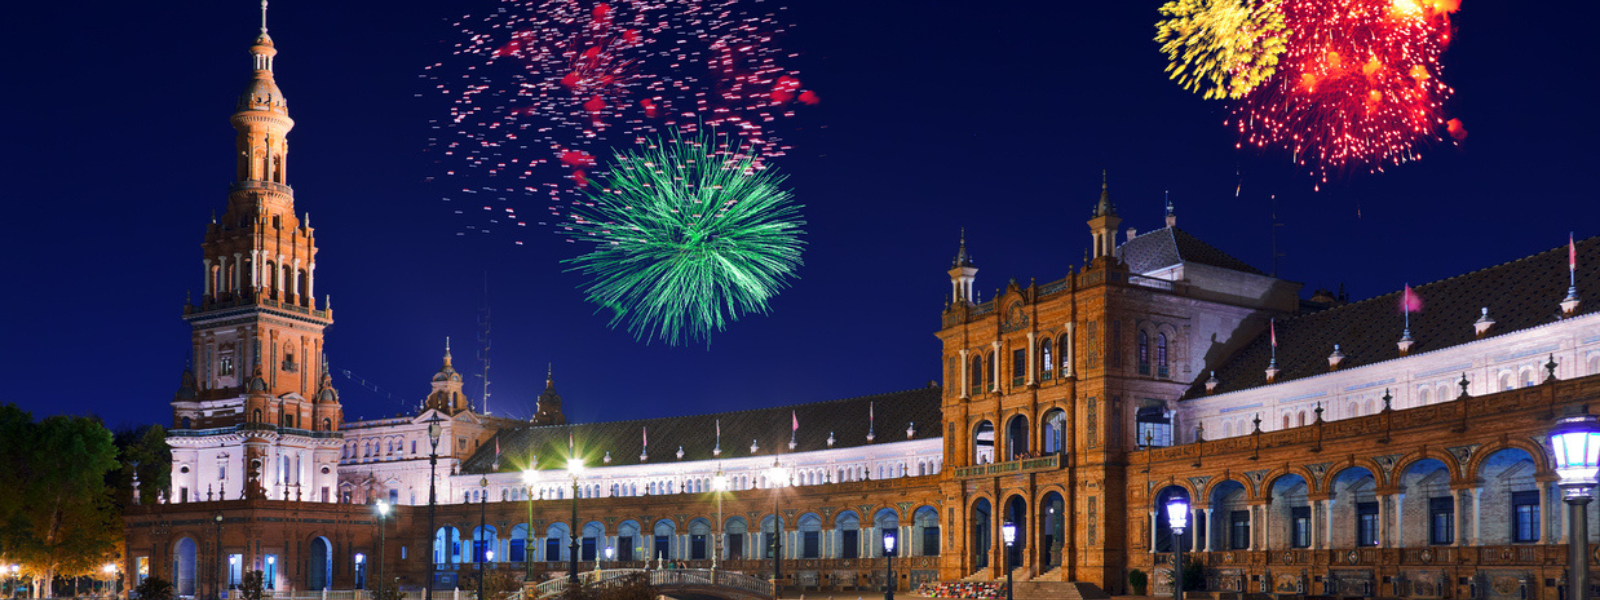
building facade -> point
(1327, 447)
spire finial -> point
(263, 17)
(447, 345)
(1102, 171)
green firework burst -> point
(689, 233)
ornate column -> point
(1313, 526)
(1210, 529)
(994, 373)
(1477, 516)
(1545, 535)
(205, 287)
(311, 284)
(1071, 349)
(1153, 532)
(1400, 520)
(238, 272)
(965, 374)
(1031, 366)
(1455, 514)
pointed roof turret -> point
(447, 372)
(1104, 208)
(548, 411)
(962, 259)
(263, 94)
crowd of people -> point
(962, 589)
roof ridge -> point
(739, 411)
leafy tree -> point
(59, 514)
(251, 585)
(154, 588)
(146, 458)
(633, 586)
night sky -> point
(996, 117)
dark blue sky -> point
(935, 116)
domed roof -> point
(263, 94)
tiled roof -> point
(1169, 246)
(1519, 294)
(846, 419)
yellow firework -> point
(1221, 48)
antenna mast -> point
(1275, 226)
(483, 341)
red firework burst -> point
(1359, 85)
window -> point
(1525, 516)
(1300, 527)
(1239, 529)
(850, 540)
(1161, 356)
(974, 377)
(1366, 523)
(663, 546)
(1114, 340)
(1019, 366)
(552, 549)
(519, 550)
(225, 364)
(1048, 364)
(625, 548)
(994, 368)
(1441, 520)
(1144, 353)
(697, 546)
(811, 544)
(1155, 427)
(930, 541)
(588, 548)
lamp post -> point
(610, 552)
(478, 556)
(575, 467)
(383, 527)
(1177, 521)
(434, 431)
(529, 476)
(719, 484)
(1576, 441)
(778, 477)
(216, 580)
(1009, 530)
(13, 571)
(111, 576)
(888, 553)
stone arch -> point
(979, 534)
(184, 554)
(1274, 475)
(1541, 457)
(984, 450)
(1424, 490)
(1510, 486)
(1216, 482)
(319, 564)
(1162, 526)
(1017, 429)
(1423, 454)
(1053, 437)
(1286, 515)
(1225, 498)
(1351, 488)
(1015, 511)
(1358, 462)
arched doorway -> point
(319, 568)
(1425, 492)
(884, 522)
(1016, 437)
(981, 536)
(1052, 530)
(1053, 436)
(1163, 527)
(1017, 514)
(183, 562)
(983, 443)
(926, 521)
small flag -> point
(796, 418)
(497, 448)
(1572, 253)
(644, 432)
(870, 407)
(1410, 302)
(719, 429)
(570, 444)
(1272, 327)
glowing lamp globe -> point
(1576, 441)
(529, 476)
(610, 552)
(361, 558)
(777, 475)
(719, 483)
(1009, 530)
(488, 555)
(575, 466)
(1178, 514)
(888, 542)
(383, 508)
(110, 568)
(434, 431)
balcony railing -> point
(1011, 467)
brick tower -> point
(258, 403)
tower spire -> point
(263, 18)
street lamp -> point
(434, 431)
(778, 477)
(1177, 521)
(383, 527)
(13, 571)
(216, 582)
(477, 538)
(111, 574)
(1009, 531)
(575, 467)
(888, 553)
(1576, 441)
(719, 484)
(529, 476)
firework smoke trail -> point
(688, 235)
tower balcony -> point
(260, 185)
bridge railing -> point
(665, 578)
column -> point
(1031, 367)
(1209, 529)
(1327, 531)
(1400, 520)
(294, 282)
(1071, 350)
(1316, 521)
(311, 285)
(1250, 515)
(1477, 516)
(238, 271)
(955, 297)
(222, 275)
(1455, 502)
(277, 274)
(1383, 520)
(1545, 535)
(205, 286)
(255, 268)
(1153, 532)
(994, 372)
(965, 373)
(1194, 528)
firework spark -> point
(1221, 48)
(1359, 85)
(688, 235)
(540, 87)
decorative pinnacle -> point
(263, 17)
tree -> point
(61, 520)
(633, 586)
(250, 586)
(154, 588)
(147, 459)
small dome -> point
(263, 94)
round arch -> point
(319, 566)
(1016, 513)
(980, 536)
(983, 442)
(1535, 452)
(183, 566)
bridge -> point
(678, 583)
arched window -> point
(1302, 419)
(993, 368)
(1505, 381)
(256, 416)
(1161, 355)
(1144, 353)
(1422, 396)
(1286, 420)
(1048, 364)
(975, 376)
(327, 424)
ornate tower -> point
(257, 330)
(549, 412)
(963, 274)
(446, 396)
(1103, 224)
